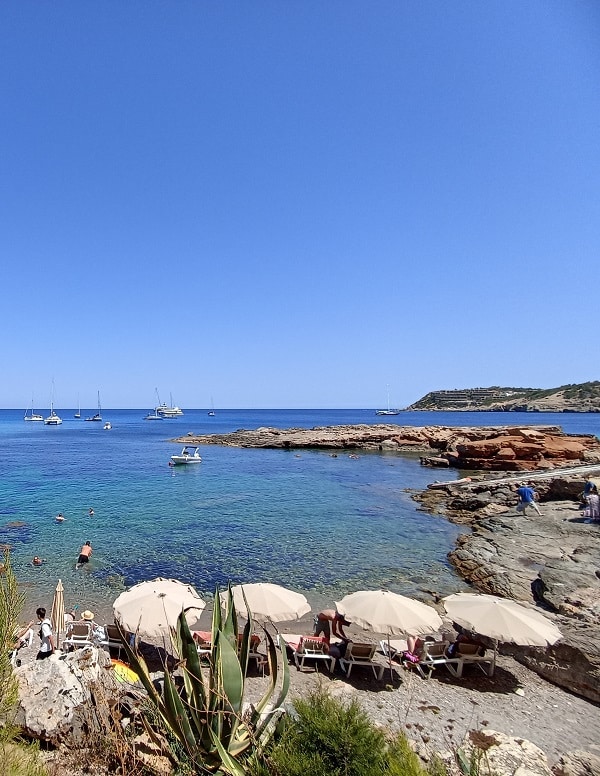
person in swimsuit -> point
(84, 553)
(329, 622)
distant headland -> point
(581, 397)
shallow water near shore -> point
(321, 524)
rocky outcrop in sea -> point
(492, 448)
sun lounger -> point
(253, 653)
(361, 655)
(470, 654)
(393, 648)
(78, 634)
(306, 648)
(433, 654)
(112, 639)
(203, 642)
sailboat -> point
(98, 416)
(53, 419)
(211, 413)
(154, 415)
(31, 415)
(389, 411)
(78, 413)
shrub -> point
(204, 716)
(325, 736)
(16, 759)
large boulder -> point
(59, 698)
(503, 755)
(577, 764)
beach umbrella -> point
(385, 612)
(501, 619)
(57, 613)
(268, 601)
(150, 609)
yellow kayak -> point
(123, 672)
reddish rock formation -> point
(497, 448)
(524, 449)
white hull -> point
(31, 415)
(168, 412)
(188, 455)
(52, 420)
(387, 412)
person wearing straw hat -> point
(97, 631)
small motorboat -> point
(107, 426)
(188, 455)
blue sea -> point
(325, 526)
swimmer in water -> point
(91, 512)
(37, 561)
(84, 555)
(60, 517)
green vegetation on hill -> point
(574, 397)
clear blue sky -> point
(296, 204)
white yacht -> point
(168, 412)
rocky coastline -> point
(552, 560)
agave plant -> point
(206, 716)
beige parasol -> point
(57, 613)
(269, 601)
(501, 619)
(150, 609)
(385, 612)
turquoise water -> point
(323, 525)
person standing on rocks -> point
(527, 497)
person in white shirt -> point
(46, 635)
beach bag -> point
(520, 506)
